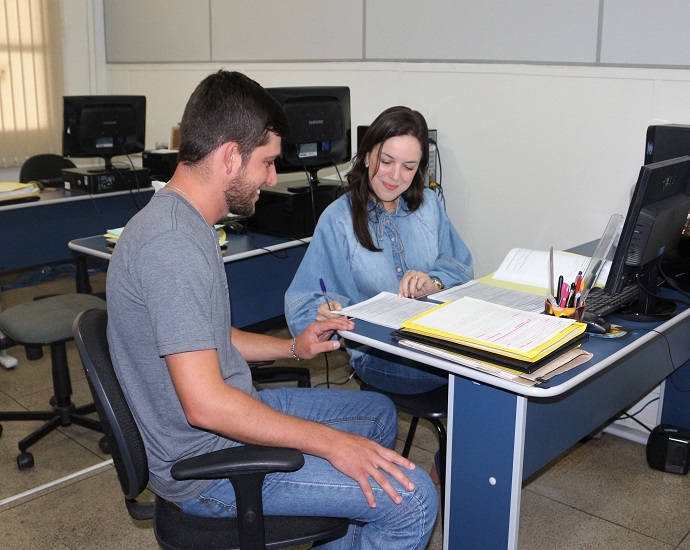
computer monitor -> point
(319, 119)
(103, 126)
(652, 229)
(666, 141)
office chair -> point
(46, 167)
(432, 406)
(264, 373)
(48, 322)
(245, 467)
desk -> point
(500, 433)
(259, 269)
(36, 233)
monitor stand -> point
(648, 308)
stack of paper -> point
(500, 332)
(112, 235)
(16, 191)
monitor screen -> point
(652, 229)
(319, 119)
(103, 126)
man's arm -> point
(312, 341)
(211, 404)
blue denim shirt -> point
(424, 240)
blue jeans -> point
(319, 489)
(393, 374)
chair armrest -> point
(246, 467)
(241, 460)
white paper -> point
(494, 294)
(386, 309)
(494, 325)
(531, 267)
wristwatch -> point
(438, 283)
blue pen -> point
(323, 289)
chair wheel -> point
(25, 461)
(104, 445)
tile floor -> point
(600, 495)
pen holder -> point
(570, 312)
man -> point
(184, 369)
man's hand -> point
(363, 459)
(315, 338)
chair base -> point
(60, 416)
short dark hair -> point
(228, 106)
(394, 121)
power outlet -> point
(431, 172)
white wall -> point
(532, 155)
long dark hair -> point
(395, 121)
(228, 106)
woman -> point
(388, 233)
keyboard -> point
(601, 303)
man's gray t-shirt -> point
(167, 293)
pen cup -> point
(569, 312)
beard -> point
(240, 195)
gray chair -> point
(46, 168)
(48, 322)
(245, 467)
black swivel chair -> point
(244, 466)
(432, 406)
(46, 167)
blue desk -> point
(500, 433)
(37, 233)
(259, 269)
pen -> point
(559, 289)
(323, 289)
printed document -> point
(386, 309)
(497, 329)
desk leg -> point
(486, 429)
(82, 275)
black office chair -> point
(48, 322)
(46, 167)
(245, 467)
(265, 372)
(432, 406)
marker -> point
(563, 302)
(323, 289)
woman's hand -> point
(325, 312)
(415, 284)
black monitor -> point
(666, 141)
(103, 126)
(652, 229)
(319, 119)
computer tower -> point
(95, 181)
(292, 214)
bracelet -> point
(437, 282)
(292, 349)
